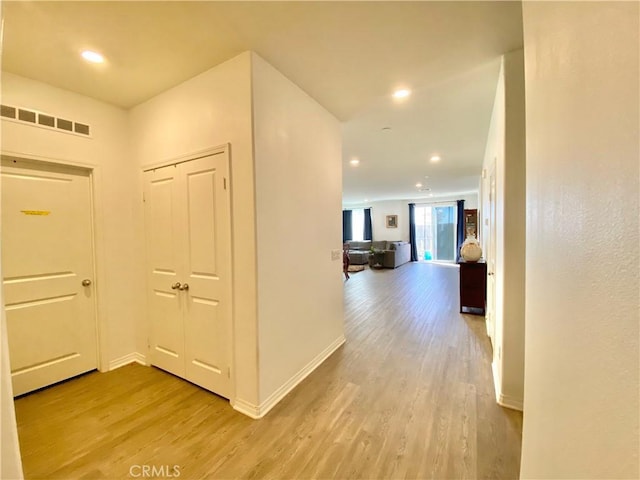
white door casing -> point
(188, 225)
(47, 253)
(491, 258)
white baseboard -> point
(259, 411)
(496, 379)
(127, 359)
(246, 408)
(510, 402)
(507, 401)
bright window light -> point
(357, 224)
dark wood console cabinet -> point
(473, 287)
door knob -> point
(86, 282)
(175, 286)
(185, 286)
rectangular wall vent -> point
(24, 115)
(9, 112)
(65, 124)
(46, 120)
(27, 116)
(81, 128)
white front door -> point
(188, 223)
(47, 254)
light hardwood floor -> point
(410, 395)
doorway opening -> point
(436, 232)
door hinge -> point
(225, 183)
(228, 372)
(143, 199)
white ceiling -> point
(349, 56)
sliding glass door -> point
(436, 232)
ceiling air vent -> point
(22, 115)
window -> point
(357, 224)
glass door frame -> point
(434, 230)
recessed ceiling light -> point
(418, 185)
(93, 57)
(402, 93)
(435, 158)
(354, 162)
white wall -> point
(505, 152)
(582, 352)
(380, 210)
(512, 232)
(470, 199)
(298, 173)
(119, 285)
(209, 110)
(494, 166)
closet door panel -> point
(163, 221)
(208, 274)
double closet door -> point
(187, 221)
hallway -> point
(410, 395)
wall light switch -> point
(335, 254)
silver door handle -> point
(185, 286)
(176, 286)
(86, 282)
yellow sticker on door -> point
(36, 212)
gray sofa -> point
(396, 253)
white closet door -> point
(189, 243)
(165, 247)
(208, 274)
(47, 254)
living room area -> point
(389, 234)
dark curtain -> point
(461, 232)
(347, 234)
(368, 231)
(412, 232)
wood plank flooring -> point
(410, 395)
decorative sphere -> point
(471, 250)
